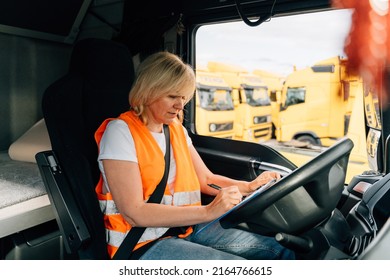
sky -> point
(277, 45)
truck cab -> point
(214, 103)
(253, 106)
(324, 88)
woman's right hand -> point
(226, 199)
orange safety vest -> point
(151, 162)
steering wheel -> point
(300, 200)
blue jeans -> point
(217, 243)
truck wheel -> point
(310, 139)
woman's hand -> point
(226, 199)
(261, 180)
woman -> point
(131, 160)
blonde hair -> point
(159, 75)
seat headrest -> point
(103, 62)
(96, 87)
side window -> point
(295, 96)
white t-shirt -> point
(118, 143)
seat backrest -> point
(96, 87)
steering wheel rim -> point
(318, 183)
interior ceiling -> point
(202, 8)
(148, 20)
(132, 18)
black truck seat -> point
(96, 87)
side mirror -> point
(282, 107)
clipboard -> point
(247, 199)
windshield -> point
(215, 99)
(257, 96)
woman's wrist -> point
(246, 187)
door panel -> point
(237, 159)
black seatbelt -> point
(126, 248)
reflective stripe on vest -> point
(108, 207)
(151, 162)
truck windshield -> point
(215, 100)
(257, 97)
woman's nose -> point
(179, 104)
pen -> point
(214, 186)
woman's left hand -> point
(262, 179)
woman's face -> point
(165, 109)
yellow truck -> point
(214, 105)
(252, 103)
(316, 103)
